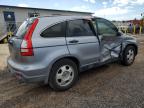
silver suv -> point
(54, 50)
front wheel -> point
(63, 75)
(128, 56)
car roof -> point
(50, 20)
(66, 17)
(47, 21)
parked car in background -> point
(54, 50)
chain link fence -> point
(7, 27)
(3, 29)
(132, 29)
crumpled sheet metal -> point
(110, 51)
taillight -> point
(26, 45)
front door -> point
(82, 41)
(110, 41)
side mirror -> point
(101, 37)
(118, 33)
(108, 35)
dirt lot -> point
(108, 86)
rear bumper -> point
(27, 73)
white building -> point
(12, 16)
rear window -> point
(24, 27)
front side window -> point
(80, 28)
(106, 28)
(57, 30)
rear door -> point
(82, 41)
(110, 40)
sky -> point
(110, 9)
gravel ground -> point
(108, 86)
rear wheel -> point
(63, 75)
(129, 55)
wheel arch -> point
(74, 59)
(134, 45)
(62, 62)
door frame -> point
(95, 35)
(111, 37)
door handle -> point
(73, 41)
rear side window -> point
(58, 30)
(24, 27)
(80, 28)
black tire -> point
(52, 78)
(125, 60)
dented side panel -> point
(128, 40)
(110, 48)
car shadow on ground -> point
(4, 74)
(92, 84)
